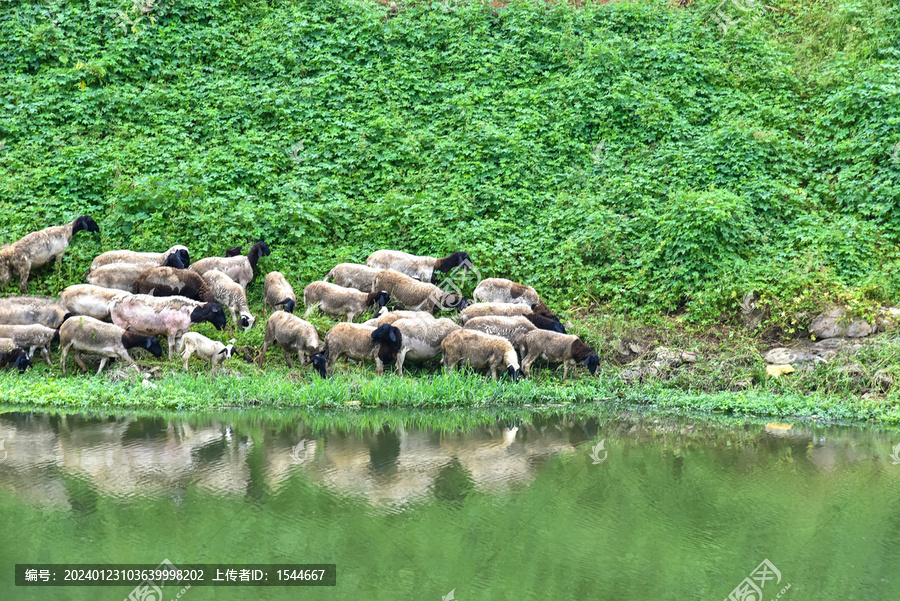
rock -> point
(638, 373)
(776, 371)
(835, 323)
(852, 369)
(689, 356)
(751, 314)
(629, 350)
(888, 319)
(666, 357)
(883, 380)
(781, 356)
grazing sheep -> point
(351, 275)
(169, 315)
(480, 351)
(501, 309)
(363, 343)
(421, 268)
(277, 291)
(31, 337)
(27, 310)
(121, 276)
(39, 248)
(86, 299)
(239, 268)
(512, 328)
(332, 299)
(558, 348)
(230, 294)
(422, 338)
(169, 281)
(391, 317)
(94, 337)
(292, 334)
(499, 290)
(13, 356)
(177, 256)
(194, 343)
(415, 295)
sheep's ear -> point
(149, 342)
(224, 351)
(393, 336)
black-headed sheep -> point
(93, 337)
(169, 281)
(384, 316)
(229, 293)
(420, 268)
(421, 338)
(499, 290)
(363, 343)
(351, 275)
(415, 295)
(171, 316)
(292, 334)
(32, 337)
(177, 256)
(554, 347)
(277, 291)
(213, 351)
(238, 268)
(513, 328)
(90, 300)
(332, 299)
(39, 248)
(12, 356)
(26, 310)
(480, 351)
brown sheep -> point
(480, 351)
(558, 348)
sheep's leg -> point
(303, 357)
(63, 354)
(24, 272)
(379, 366)
(45, 353)
(234, 316)
(351, 316)
(287, 359)
(401, 357)
(186, 356)
(262, 352)
(172, 343)
(102, 364)
(310, 309)
(565, 369)
(526, 365)
(80, 362)
(494, 371)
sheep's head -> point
(288, 305)
(541, 309)
(319, 363)
(585, 354)
(85, 224)
(545, 323)
(449, 262)
(132, 340)
(591, 363)
(211, 312)
(174, 260)
(513, 373)
(18, 359)
(228, 351)
(455, 302)
(234, 251)
(390, 340)
(380, 298)
(247, 321)
(154, 346)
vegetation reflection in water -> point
(491, 505)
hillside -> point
(624, 157)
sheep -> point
(39, 248)
(27, 310)
(13, 356)
(415, 295)
(363, 343)
(230, 294)
(332, 299)
(351, 275)
(558, 348)
(194, 343)
(512, 328)
(123, 276)
(480, 351)
(277, 291)
(169, 281)
(91, 336)
(86, 299)
(31, 337)
(169, 315)
(292, 334)
(182, 258)
(499, 290)
(422, 268)
(238, 268)
(499, 309)
(391, 317)
(421, 338)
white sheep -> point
(238, 268)
(194, 343)
(351, 275)
(93, 337)
(31, 337)
(420, 268)
(277, 291)
(90, 300)
(230, 294)
(293, 335)
(332, 299)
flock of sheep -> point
(132, 298)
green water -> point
(512, 509)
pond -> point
(619, 505)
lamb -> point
(86, 299)
(27, 310)
(277, 291)
(335, 300)
(181, 259)
(123, 276)
(422, 338)
(39, 248)
(384, 316)
(169, 281)
(94, 337)
(558, 348)
(351, 275)
(194, 343)
(512, 328)
(230, 294)
(414, 295)
(238, 268)
(363, 343)
(480, 351)
(292, 334)
(169, 315)
(31, 337)
(13, 356)
(420, 268)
